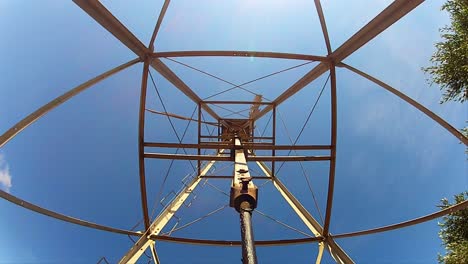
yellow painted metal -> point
(160, 222)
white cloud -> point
(5, 176)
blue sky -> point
(393, 163)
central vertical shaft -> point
(244, 199)
(249, 256)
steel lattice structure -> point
(150, 58)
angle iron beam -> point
(238, 53)
(179, 117)
(162, 219)
(229, 158)
(186, 157)
(105, 18)
(321, 16)
(288, 158)
(224, 177)
(382, 21)
(391, 14)
(204, 136)
(141, 148)
(332, 168)
(412, 102)
(31, 118)
(215, 145)
(230, 243)
(256, 146)
(99, 13)
(237, 102)
(35, 208)
(158, 23)
(415, 221)
(41, 210)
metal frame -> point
(100, 14)
(72, 220)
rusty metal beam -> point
(160, 67)
(238, 53)
(230, 243)
(215, 145)
(415, 221)
(331, 171)
(31, 118)
(252, 146)
(288, 158)
(158, 23)
(221, 137)
(256, 146)
(223, 177)
(321, 16)
(382, 21)
(412, 102)
(141, 140)
(99, 13)
(238, 102)
(35, 208)
(396, 10)
(105, 18)
(186, 157)
(41, 210)
(229, 158)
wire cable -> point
(307, 120)
(168, 117)
(209, 74)
(260, 78)
(170, 167)
(234, 85)
(196, 220)
(304, 173)
(282, 223)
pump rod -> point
(249, 255)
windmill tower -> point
(235, 140)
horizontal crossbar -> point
(250, 146)
(229, 158)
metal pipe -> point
(249, 255)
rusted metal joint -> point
(243, 193)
